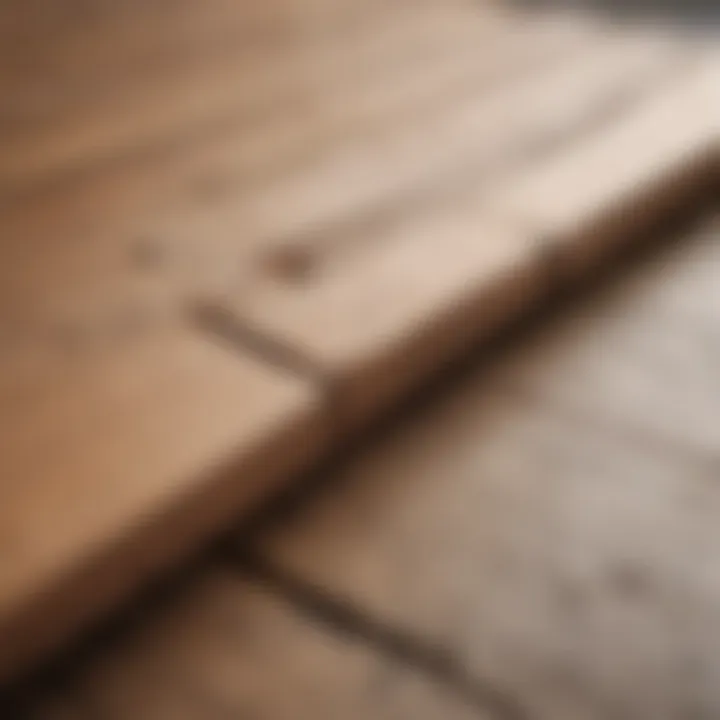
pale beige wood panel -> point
(201, 80)
(468, 140)
(69, 62)
(644, 359)
(98, 221)
(376, 305)
(617, 181)
(76, 297)
(75, 252)
(376, 316)
(118, 459)
(567, 554)
(566, 566)
(94, 265)
(429, 57)
(80, 247)
(225, 648)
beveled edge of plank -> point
(417, 292)
(681, 118)
(226, 646)
(92, 573)
(451, 337)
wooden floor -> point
(232, 236)
(535, 538)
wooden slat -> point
(444, 147)
(117, 461)
(226, 649)
(613, 183)
(376, 316)
(80, 236)
(377, 305)
(176, 96)
(560, 548)
(328, 203)
(643, 359)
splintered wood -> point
(233, 233)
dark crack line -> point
(343, 617)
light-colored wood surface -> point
(116, 461)
(644, 360)
(319, 176)
(182, 69)
(608, 186)
(466, 140)
(225, 648)
(558, 557)
(381, 316)
(127, 440)
(388, 272)
(551, 519)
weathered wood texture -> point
(227, 649)
(346, 189)
(551, 519)
(115, 463)
(550, 548)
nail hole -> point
(292, 263)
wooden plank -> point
(333, 236)
(641, 358)
(375, 171)
(567, 556)
(376, 306)
(425, 59)
(118, 459)
(612, 184)
(80, 236)
(102, 218)
(74, 303)
(448, 143)
(241, 67)
(91, 224)
(225, 648)
(376, 316)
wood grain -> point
(116, 462)
(216, 68)
(613, 183)
(434, 147)
(226, 648)
(378, 317)
(559, 547)
(329, 177)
